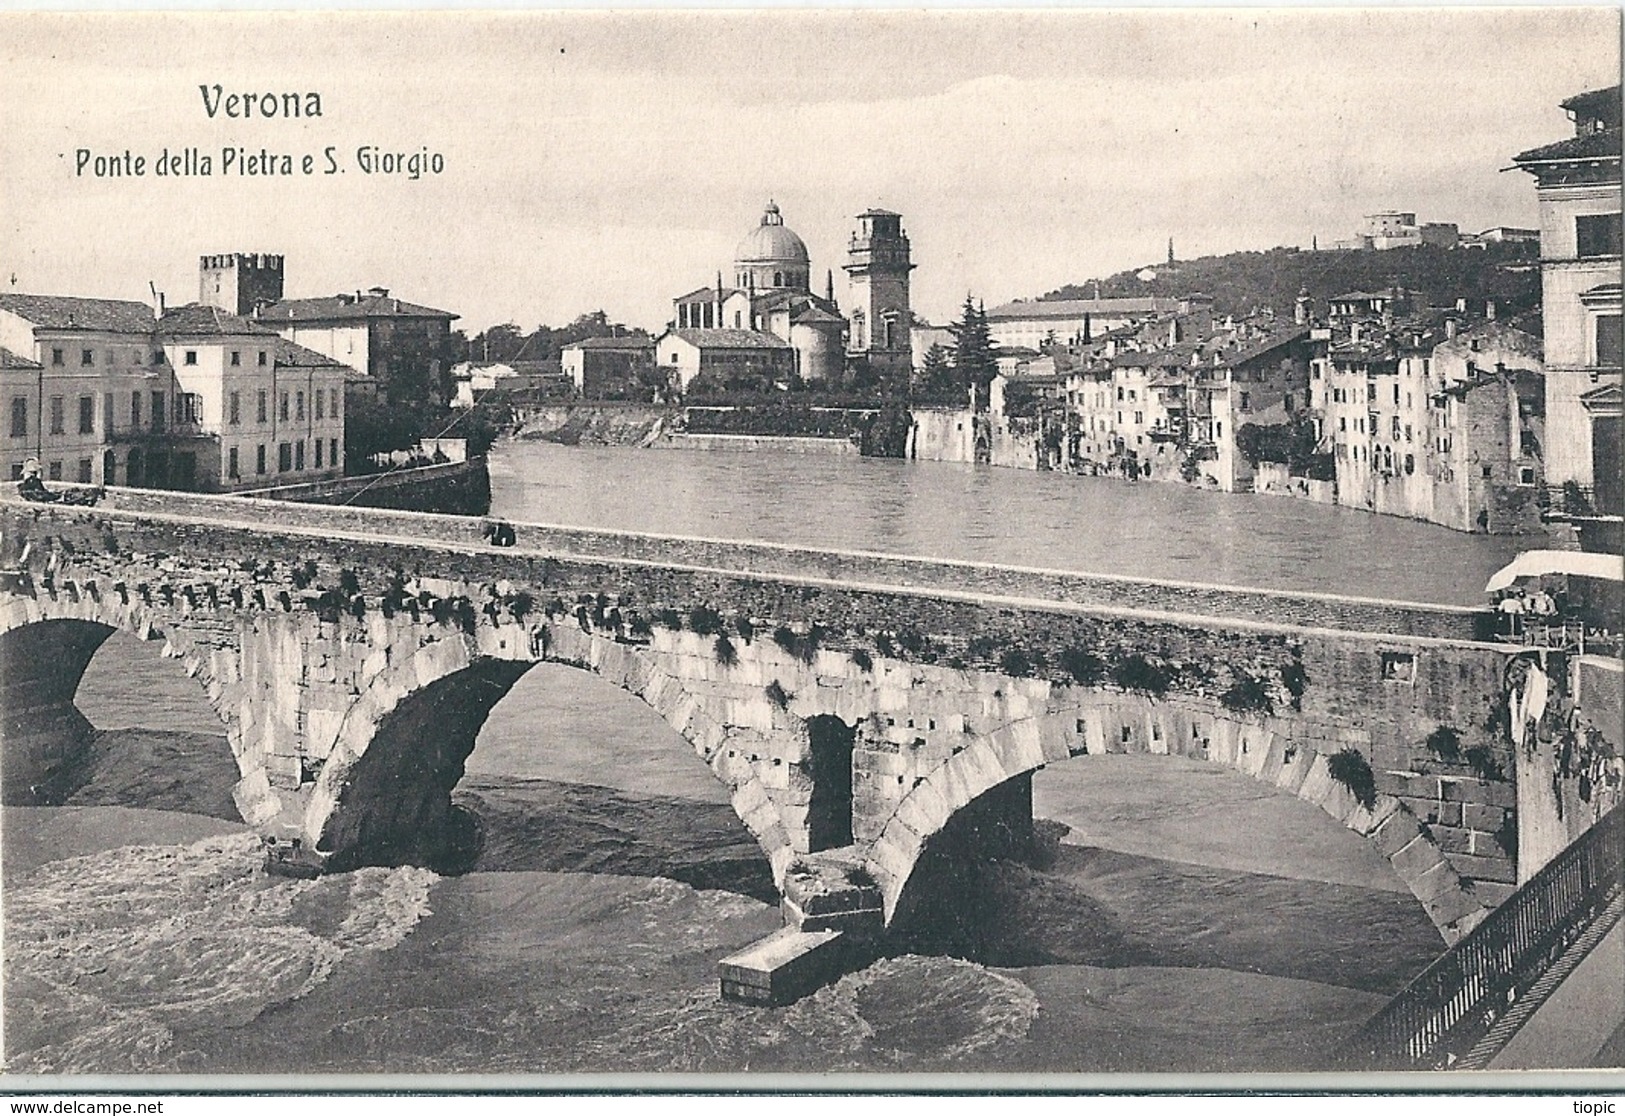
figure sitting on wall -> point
(31, 487)
(499, 532)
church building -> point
(771, 296)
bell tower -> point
(877, 268)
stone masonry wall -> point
(306, 658)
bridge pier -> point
(42, 732)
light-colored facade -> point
(728, 355)
(1577, 183)
(192, 398)
(1038, 323)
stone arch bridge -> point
(857, 707)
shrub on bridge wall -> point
(1483, 763)
(777, 694)
(704, 620)
(1016, 663)
(862, 659)
(726, 654)
(1247, 695)
(1296, 680)
(1085, 667)
(1351, 768)
(1444, 742)
(1138, 673)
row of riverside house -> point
(241, 390)
(1449, 413)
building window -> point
(84, 470)
(235, 413)
(259, 460)
(236, 358)
(1610, 345)
(1597, 235)
(319, 448)
(320, 399)
(299, 405)
(86, 357)
(56, 415)
(158, 356)
(284, 457)
(158, 410)
(333, 402)
(19, 416)
(188, 407)
(1489, 472)
(87, 414)
(56, 357)
(107, 412)
(262, 358)
(191, 356)
(55, 470)
(260, 404)
(299, 455)
(231, 463)
(1246, 402)
(1410, 464)
(282, 407)
(333, 452)
(1526, 474)
(135, 409)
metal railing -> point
(1452, 1004)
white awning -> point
(1533, 563)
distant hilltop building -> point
(768, 325)
(1072, 321)
(1394, 229)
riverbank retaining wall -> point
(461, 488)
(747, 443)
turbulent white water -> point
(107, 954)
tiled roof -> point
(1077, 307)
(705, 294)
(620, 344)
(9, 359)
(65, 312)
(1593, 145)
(1267, 344)
(347, 308)
(729, 338)
(198, 320)
(289, 355)
(814, 314)
(1603, 104)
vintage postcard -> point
(1063, 545)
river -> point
(1189, 919)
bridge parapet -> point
(771, 560)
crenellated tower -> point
(239, 281)
(877, 270)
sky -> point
(612, 161)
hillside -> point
(1241, 281)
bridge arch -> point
(47, 641)
(381, 780)
(1094, 722)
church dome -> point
(771, 242)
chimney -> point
(1489, 309)
(1354, 332)
(1450, 329)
